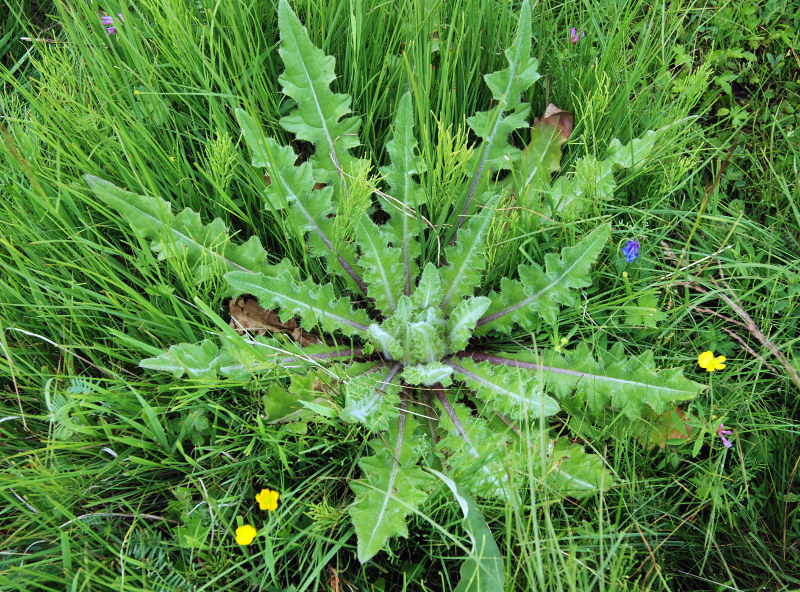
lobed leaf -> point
(317, 306)
(507, 87)
(406, 193)
(461, 322)
(319, 112)
(391, 487)
(429, 291)
(183, 235)
(204, 360)
(476, 453)
(593, 178)
(574, 472)
(372, 399)
(515, 392)
(629, 383)
(466, 261)
(383, 266)
(428, 374)
(541, 292)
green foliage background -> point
(125, 480)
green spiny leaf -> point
(515, 392)
(630, 384)
(476, 454)
(318, 116)
(404, 163)
(391, 488)
(542, 292)
(507, 87)
(465, 259)
(593, 178)
(371, 398)
(574, 472)
(383, 266)
(387, 344)
(195, 360)
(428, 374)
(182, 235)
(461, 322)
(429, 290)
(424, 339)
(317, 306)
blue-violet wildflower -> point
(631, 250)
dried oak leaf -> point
(248, 316)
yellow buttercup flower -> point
(245, 534)
(268, 499)
(709, 362)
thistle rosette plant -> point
(410, 332)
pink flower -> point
(722, 432)
(108, 23)
(574, 37)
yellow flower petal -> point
(268, 499)
(245, 534)
(709, 362)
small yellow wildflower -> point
(245, 534)
(172, 158)
(268, 500)
(709, 362)
(136, 91)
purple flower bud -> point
(108, 23)
(574, 37)
(631, 250)
(722, 432)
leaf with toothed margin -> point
(429, 290)
(466, 260)
(515, 392)
(461, 322)
(574, 472)
(631, 384)
(317, 306)
(385, 342)
(428, 374)
(391, 487)
(236, 359)
(543, 291)
(383, 266)
(182, 236)
(406, 193)
(372, 399)
(475, 453)
(319, 117)
(507, 86)
(195, 360)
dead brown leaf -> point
(248, 316)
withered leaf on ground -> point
(248, 316)
(557, 117)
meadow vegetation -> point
(118, 477)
